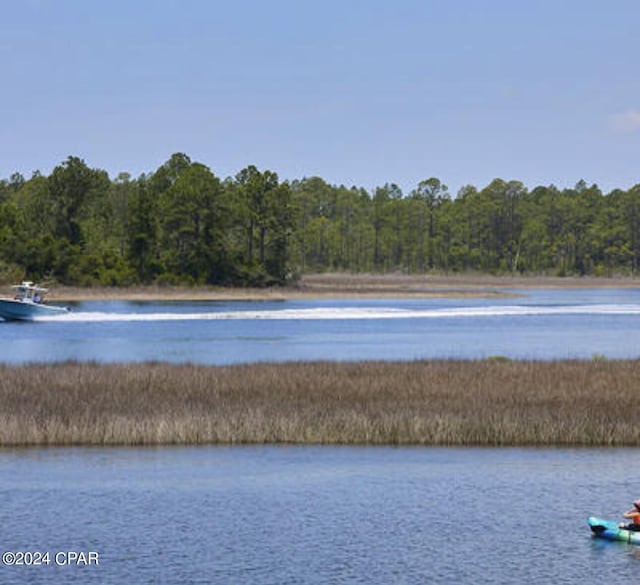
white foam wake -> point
(353, 313)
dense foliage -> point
(182, 224)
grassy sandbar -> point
(344, 285)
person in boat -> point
(634, 516)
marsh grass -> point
(490, 402)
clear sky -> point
(358, 92)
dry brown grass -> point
(423, 403)
(344, 285)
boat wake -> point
(352, 313)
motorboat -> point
(28, 303)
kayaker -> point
(634, 516)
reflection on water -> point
(317, 514)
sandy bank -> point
(349, 286)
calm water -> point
(274, 515)
(323, 514)
(541, 324)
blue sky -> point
(357, 92)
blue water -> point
(274, 515)
(541, 324)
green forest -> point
(181, 224)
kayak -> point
(610, 530)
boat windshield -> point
(27, 291)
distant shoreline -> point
(492, 402)
(339, 285)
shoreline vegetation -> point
(180, 224)
(346, 285)
(492, 402)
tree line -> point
(181, 224)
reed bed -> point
(487, 403)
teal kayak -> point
(609, 530)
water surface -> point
(542, 324)
(273, 515)
(323, 514)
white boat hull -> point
(12, 310)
